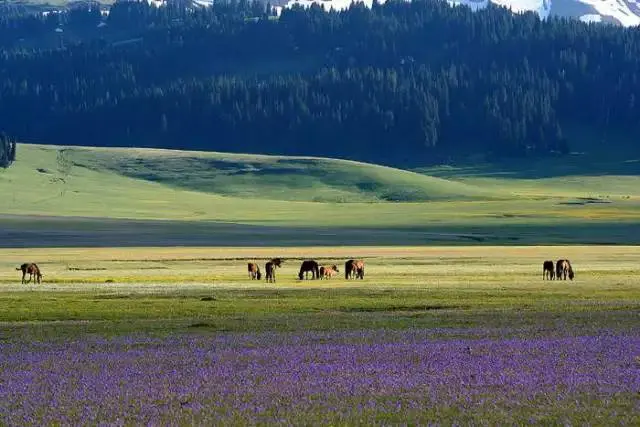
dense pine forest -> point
(403, 83)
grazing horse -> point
(354, 268)
(270, 269)
(33, 270)
(254, 271)
(547, 270)
(328, 271)
(309, 266)
(563, 269)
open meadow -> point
(146, 313)
(432, 334)
(116, 197)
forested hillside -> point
(400, 83)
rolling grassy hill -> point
(67, 193)
(275, 177)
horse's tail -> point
(317, 271)
(362, 273)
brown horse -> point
(33, 270)
(328, 271)
(270, 269)
(309, 266)
(254, 271)
(563, 269)
(354, 268)
(547, 270)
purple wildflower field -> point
(332, 377)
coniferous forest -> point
(402, 83)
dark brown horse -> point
(309, 266)
(328, 271)
(33, 270)
(354, 269)
(563, 269)
(254, 271)
(547, 270)
(270, 269)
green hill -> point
(164, 184)
(271, 177)
(79, 195)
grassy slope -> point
(275, 177)
(284, 192)
(592, 170)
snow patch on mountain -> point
(625, 12)
(542, 7)
(473, 4)
(328, 4)
(620, 10)
(590, 17)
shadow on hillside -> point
(593, 153)
(25, 231)
(575, 164)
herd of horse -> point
(353, 269)
(561, 271)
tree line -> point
(400, 83)
(7, 151)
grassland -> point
(449, 334)
(136, 197)
(165, 289)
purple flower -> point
(331, 377)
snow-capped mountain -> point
(620, 12)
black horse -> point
(309, 266)
(547, 270)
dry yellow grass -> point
(152, 269)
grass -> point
(185, 289)
(193, 198)
(148, 328)
(245, 176)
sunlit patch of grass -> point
(165, 289)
